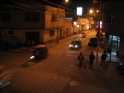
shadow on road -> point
(30, 63)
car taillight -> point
(6, 76)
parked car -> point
(5, 76)
(92, 41)
(39, 52)
(75, 44)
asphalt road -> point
(59, 72)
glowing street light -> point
(91, 11)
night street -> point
(59, 72)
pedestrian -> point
(91, 58)
(80, 59)
(103, 60)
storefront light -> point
(75, 23)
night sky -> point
(72, 4)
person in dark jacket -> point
(80, 59)
(103, 59)
(91, 58)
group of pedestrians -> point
(81, 59)
(91, 60)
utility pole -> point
(98, 32)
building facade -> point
(19, 25)
(112, 13)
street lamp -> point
(98, 32)
(58, 20)
(98, 29)
(91, 15)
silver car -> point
(75, 44)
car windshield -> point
(75, 42)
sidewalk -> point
(24, 49)
(112, 64)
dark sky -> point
(72, 4)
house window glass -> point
(54, 17)
(51, 33)
(5, 16)
(32, 17)
(10, 32)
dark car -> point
(39, 52)
(92, 41)
(75, 44)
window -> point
(32, 17)
(5, 16)
(61, 18)
(108, 18)
(54, 17)
(51, 32)
(10, 32)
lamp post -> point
(91, 15)
(58, 20)
(97, 12)
(98, 32)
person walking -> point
(91, 58)
(80, 59)
(103, 60)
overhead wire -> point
(31, 5)
(28, 5)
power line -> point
(31, 5)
